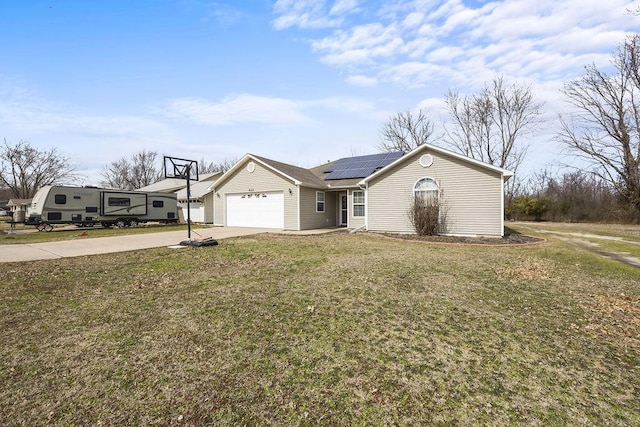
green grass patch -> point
(332, 330)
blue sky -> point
(297, 81)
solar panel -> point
(360, 166)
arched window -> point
(427, 190)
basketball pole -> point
(189, 201)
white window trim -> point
(437, 190)
(354, 204)
(323, 201)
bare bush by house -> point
(428, 215)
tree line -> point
(24, 169)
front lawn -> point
(330, 330)
(25, 234)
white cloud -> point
(343, 6)
(360, 46)
(407, 40)
(237, 109)
(363, 81)
(311, 13)
(414, 19)
(31, 117)
(445, 54)
(342, 104)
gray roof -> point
(19, 202)
(171, 185)
(167, 185)
(305, 176)
(316, 176)
(198, 189)
(319, 171)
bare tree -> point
(489, 126)
(24, 168)
(405, 131)
(211, 167)
(130, 174)
(604, 131)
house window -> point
(319, 201)
(358, 203)
(427, 190)
(60, 199)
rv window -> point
(119, 201)
(91, 209)
(158, 203)
(60, 199)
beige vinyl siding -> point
(309, 218)
(472, 196)
(261, 180)
(356, 221)
(208, 202)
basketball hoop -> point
(177, 168)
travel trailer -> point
(87, 206)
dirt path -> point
(578, 239)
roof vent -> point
(426, 160)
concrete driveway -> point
(105, 245)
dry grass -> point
(25, 234)
(332, 330)
(625, 231)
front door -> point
(343, 210)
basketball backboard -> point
(175, 167)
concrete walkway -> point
(104, 245)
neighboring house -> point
(19, 208)
(200, 210)
(19, 204)
(200, 194)
(167, 185)
(371, 192)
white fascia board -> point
(229, 172)
(505, 173)
(239, 164)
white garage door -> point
(263, 210)
(196, 211)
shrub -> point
(529, 206)
(427, 215)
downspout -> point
(502, 205)
(365, 188)
(355, 230)
(298, 196)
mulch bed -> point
(511, 237)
